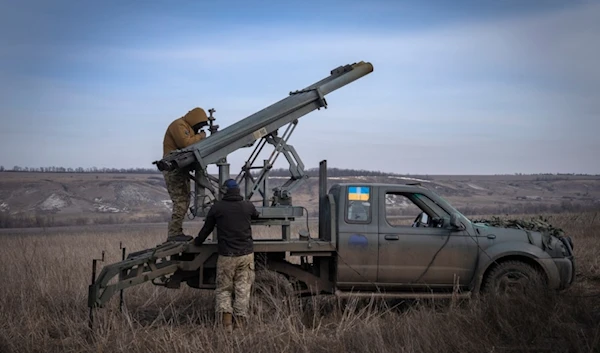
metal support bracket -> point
(93, 290)
(281, 195)
(321, 98)
(155, 264)
(202, 182)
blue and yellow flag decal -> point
(358, 193)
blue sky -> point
(460, 87)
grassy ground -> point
(43, 308)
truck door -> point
(415, 247)
(357, 237)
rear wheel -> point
(513, 278)
(271, 292)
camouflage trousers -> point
(235, 277)
(178, 186)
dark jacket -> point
(231, 215)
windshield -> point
(449, 207)
(432, 205)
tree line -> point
(311, 172)
(331, 172)
(54, 169)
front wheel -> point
(513, 277)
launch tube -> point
(265, 121)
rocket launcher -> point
(262, 125)
(167, 263)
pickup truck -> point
(366, 246)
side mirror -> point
(455, 222)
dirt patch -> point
(54, 202)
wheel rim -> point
(513, 282)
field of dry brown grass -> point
(43, 296)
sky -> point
(458, 87)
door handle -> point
(391, 237)
(491, 236)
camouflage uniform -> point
(235, 276)
(178, 186)
(181, 133)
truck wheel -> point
(272, 283)
(513, 277)
(271, 290)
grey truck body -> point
(363, 249)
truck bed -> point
(303, 247)
(167, 258)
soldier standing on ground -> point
(235, 264)
(181, 133)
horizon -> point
(277, 171)
(468, 88)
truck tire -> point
(271, 291)
(513, 277)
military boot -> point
(227, 322)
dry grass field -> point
(43, 296)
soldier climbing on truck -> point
(181, 133)
(360, 249)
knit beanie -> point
(231, 184)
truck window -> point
(358, 202)
(400, 211)
(403, 208)
(440, 212)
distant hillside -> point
(62, 198)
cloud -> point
(521, 61)
(553, 37)
(518, 86)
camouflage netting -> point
(536, 224)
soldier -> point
(181, 133)
(235, 264)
